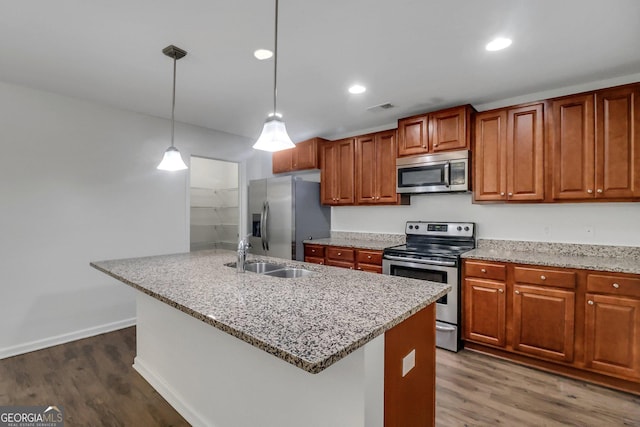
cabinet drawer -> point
(541, 276)
(370, 257)
(314, 260)
(314, 251)
(485, 270)
(373, 268)
(615, 285)
(340, 254)
(343, 264)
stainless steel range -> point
(433, 253)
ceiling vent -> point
(381, 107)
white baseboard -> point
(158, 383)
(65, 338)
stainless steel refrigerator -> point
(283, 212)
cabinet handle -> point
(484, 270)
(424, 146)
(590, 302)
(369, 256)
(339, 253)
(313, 250)
(501, 290)
(502, 193)
(590, 191)
(615, 285)
(510, 194)
(599, 190)
(517, 292)
(543, 277)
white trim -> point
(65, 338)
(173, 398)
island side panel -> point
(214, 379)
(409, 399)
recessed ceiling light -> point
(498, 44)
(263, 54)
(356, 89)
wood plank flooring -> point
(94, 381)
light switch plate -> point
(409, 362)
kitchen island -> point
(351, 348)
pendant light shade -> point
(172, 160)
(274, 135)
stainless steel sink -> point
(289, 273)
(270, 269)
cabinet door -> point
(618, 143)
(572, 147)
(448, 129)
(366, 166)
(386, 147)
(281, 161)
(525, 153)
(490, 156)
(413, 135)
(328, 173)
(305, 155)
(345, 177)
(484, 312)
(612, 332)
(543, 322)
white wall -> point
(79, 183)
(594, 223)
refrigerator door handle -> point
(266, 219)
(262, 226)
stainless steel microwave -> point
(433, 173)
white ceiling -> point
(419, 55)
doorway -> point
(214, 204)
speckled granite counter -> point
(310, 322)
(621, 259)
(374, 241)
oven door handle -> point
(421, 261)
(445, 328)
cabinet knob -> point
(360, 268)
(502, 291)
(590, 302)
(543, 277)
(517, 292)
(313, 250)
(424, 146)
(321, 262)
(599, 190)
(590, 191)
(350, 268)
(339, 253)
(510, 194)
(484, 270)
(615, 285)
(502, 193)
(369, 256)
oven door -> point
(446, 306)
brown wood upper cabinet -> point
(337, 172)
(375, 168)
(509, 154)
(595, 145)
(303, 156)
(444, 130)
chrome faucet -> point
(243, 249)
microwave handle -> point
(447, 177)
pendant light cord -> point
(173, 100)
(275, 64)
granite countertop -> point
(374, 241)
(310, 322)
(619, 259)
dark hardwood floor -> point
(94, 381)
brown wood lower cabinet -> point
(337, 256)
(580, 323)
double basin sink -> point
(273, 270)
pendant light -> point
(172, 160)
(274, 134)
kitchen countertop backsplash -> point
(376, 241)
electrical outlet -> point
(588, 230)
(409, 362)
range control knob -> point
(411, 227)
(417, 227)
(459, 228)
(466, 228)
